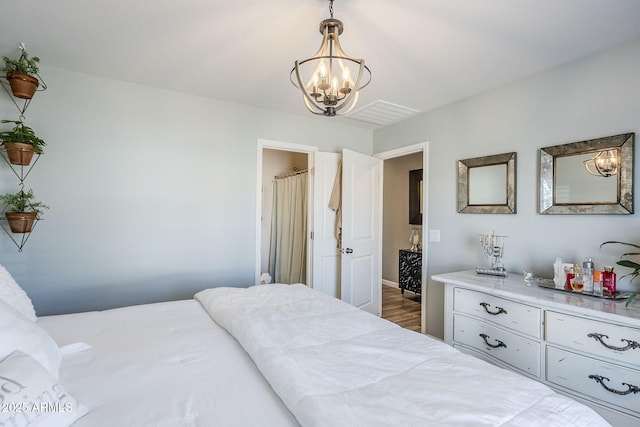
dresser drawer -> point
(512, 349)
(572, 371)
(614, 342)
(521, 317)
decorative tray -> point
(500, 271)
(549, 284)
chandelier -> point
(330, 80)
(604, 164)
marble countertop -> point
(514, 287)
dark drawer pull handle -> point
(499, 310)
(485, 337)
(630, 388)
(630, 344)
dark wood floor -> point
(403, 310)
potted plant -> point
(634, 266)
(21, 74)
(22, 210)
(21, 142)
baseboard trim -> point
(390, 284)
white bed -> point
(165, 364)
(276, 355)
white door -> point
(361, 275)
(325, 251)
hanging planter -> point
(22, 210)
(21, 222)
(21, 75)
(19, 153)
(21, 143)
(22, 85)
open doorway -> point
(321, 181)
(401, 246)
(278, 159)
(284, 215)
(404, 251)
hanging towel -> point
(335, 203)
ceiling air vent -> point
(382, 113)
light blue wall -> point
(594, 97)
(152, 192)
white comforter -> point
(161, 365)
(335, 365)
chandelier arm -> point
(295, 81)
(321, 50)
(317, 113)
(352, 104)
(588, 163)
(360, 63)
(306, 96)
(347, 99)
(369, 80)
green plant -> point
(22, 133)
(627, 263)
(24, 64)
(22, 202)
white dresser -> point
(585, 347)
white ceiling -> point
(422, 53)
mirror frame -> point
(546, 174)
(415, 197)
(463, 184)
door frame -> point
(385, 155)
(399, 152)
(292, 147)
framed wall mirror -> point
(487, 185)
(587, 177)
(415, 197)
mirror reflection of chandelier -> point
(330, 80)
(604, 164)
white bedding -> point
(335, 365)
(165, 364)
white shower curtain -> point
(288, 251)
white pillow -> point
(15, 296)
(31, 396)
(19, 333)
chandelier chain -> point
(331, 8)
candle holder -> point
(492, 248)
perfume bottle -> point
(597, 282)
(587, 274)
(576, 284)
(608, 281)
(569, 274)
